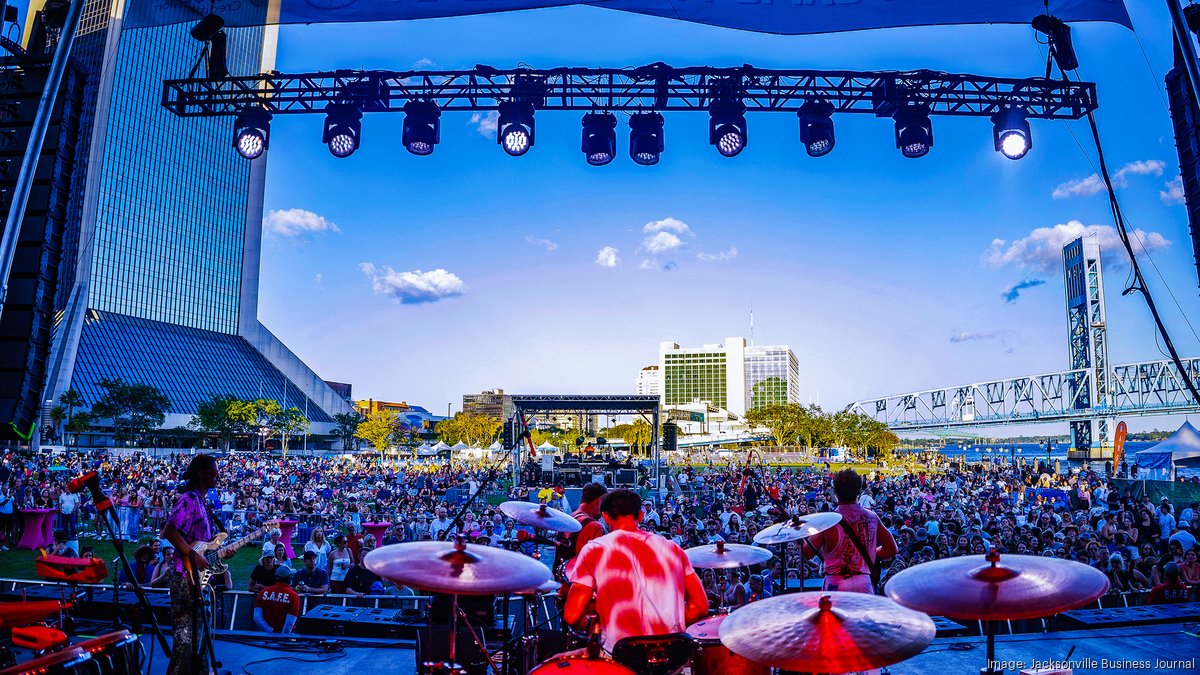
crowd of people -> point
(965, 510)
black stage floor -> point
(1166, 648)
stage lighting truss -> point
(911, 99)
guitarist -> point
(853, 550)
(190, 521)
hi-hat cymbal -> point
(834, 632)
(541, 516)
(997, 587)
(454, 567)
(725, 556)
(796, 528)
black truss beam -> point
(653, 87)
(542, 404)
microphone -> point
(523, 536)
(79, 483)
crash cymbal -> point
(455, 567)
(796, 528)
(541, 516)
(997, 587)
(724, 556)
(834, 632)
(551, 586)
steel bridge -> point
(1146, 388)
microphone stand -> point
(458, 517)
(104, 507)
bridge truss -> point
(1146, 388)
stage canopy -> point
(787, 17)
(1181, 449)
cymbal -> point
(457, 568)
(833, 632)
(997, 587)
(724, 556)
(540, 515)
(797, 527)
(551, 586)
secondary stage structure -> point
(589, 404)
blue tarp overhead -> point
(1181, 449)
(786, 17)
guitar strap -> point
(212, 517)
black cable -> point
(336, 656)
(1139, 283)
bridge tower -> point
(1087, 340)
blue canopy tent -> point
(1182, 449)
(786, 18)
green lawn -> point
(18, 564)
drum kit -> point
(32, 627)
(809, 632)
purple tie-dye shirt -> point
(191, 519)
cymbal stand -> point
(450, 666)
(989, 628)
(478, 641)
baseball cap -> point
(283, 572)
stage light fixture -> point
(646, 141)
(252, 132)
(727, 127)
(914, 131)
(514, 129)
(1010, 133)
(422, 127)
(816, 127)
(343, 129)
(599, 142)
(1058, 34)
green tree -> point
(79, 423)
(289, 422)
(783, 422)
(639, 435)
(132, 407)
(470, 428)
(216, 417)
(68, 401)
(377, 429)
(347, 426)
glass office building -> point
(730, 376)
(772, 377)
(167, 234)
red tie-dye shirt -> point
(639, 581)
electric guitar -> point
(213, 552)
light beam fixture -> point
(252, 132)
(1010, 133)
(727, 126)
(514, 129)
(343, 129)
(422, 127)
(914, 131)
(599, 143)
(816, 127)
(646, 140)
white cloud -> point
(661, 242)
(667, 224)
(546, 243)
(485, 123)
(424, 62)
(722, 255)
(647, 264)
(1041, 250)
(1093, 184)
(972, 336)
(607, 257)
(1173, 194)
(295, 222)
(414, 287)
(319, 278)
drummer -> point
(643, 583)
(850, 565)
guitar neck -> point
(233, 546)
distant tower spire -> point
(751, 325)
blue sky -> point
(882, 273)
